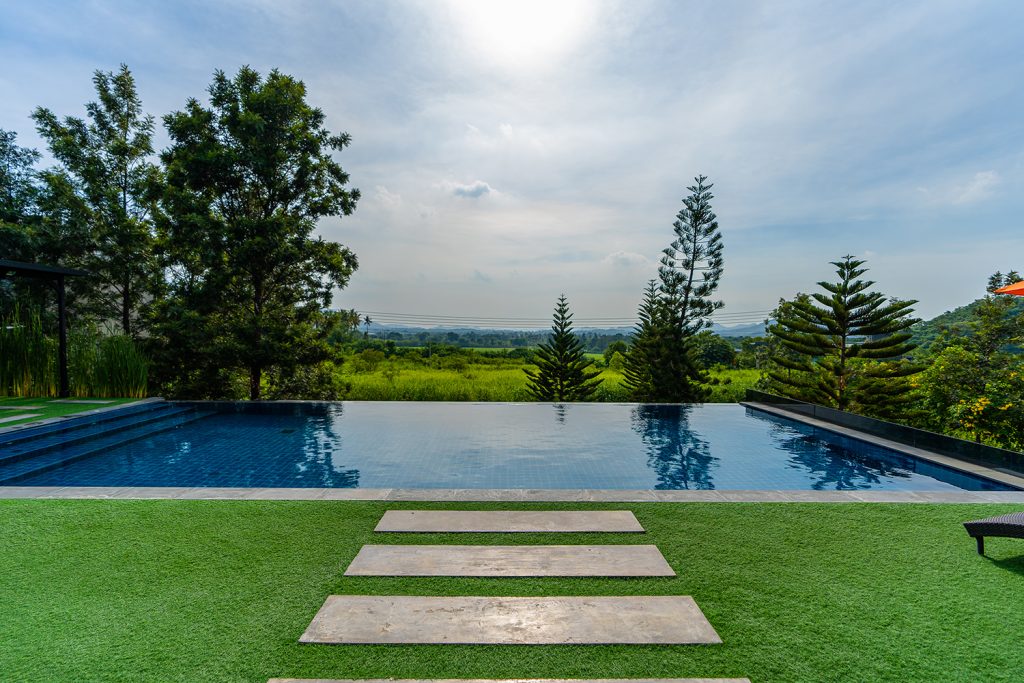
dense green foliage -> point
(563, 371)
(221, 591)
(247, 180)
(103, 179)
(209, 257)
(974, 385)
(957, 323)
(846, 346)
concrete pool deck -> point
(506, 495)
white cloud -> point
(386, 197)
(473, 190)
(625, 259)
(980, 187)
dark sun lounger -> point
(1009, 526)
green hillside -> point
(957, 320)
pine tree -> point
(661, 367)
(849, 345)
(636, 375)
(563, 369)
(692, 265)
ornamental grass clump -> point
(27, 357)
(121, 369)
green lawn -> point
(48, 408)
(221, 591)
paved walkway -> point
(568, 620)
(511, 495)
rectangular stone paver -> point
(640, 620)
(85, 402)
(501, 521)
(509, 560)
(509, 680)
(19, 416)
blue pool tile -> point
(514, 446)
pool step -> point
(58, 430)
(575, 620)
(509, 560)
(509, 521)
(36, 447)
(99, 443)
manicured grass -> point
(48, 409)
(221, 591)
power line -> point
(496, 323)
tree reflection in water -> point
(317, 468)
(829, 465)
(679, 456)
(560, 410)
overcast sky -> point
(510, 151)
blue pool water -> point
(501, 445)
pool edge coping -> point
(949, 462)
(505, 495)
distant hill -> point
(926, 332)
(754, 330)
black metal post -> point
(62, 317)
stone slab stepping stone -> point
(509, 560)
(22, 416)
(500, 521)
(82, 401)
(509, 680)
(639, 620)
(21, 407)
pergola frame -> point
(56, 275)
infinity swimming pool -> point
(502, 446)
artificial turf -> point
(45, 408)
(221, 591)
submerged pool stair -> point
(27, 452)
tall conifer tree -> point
(563, 369)
(643, 350)
(663, 367)
(848, 345)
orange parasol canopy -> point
(1016, 288)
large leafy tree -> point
(102, 183)
(847, 346)
(563, 370)
(18, 193)
(248, 177)
(18, 211)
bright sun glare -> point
(523, 34)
